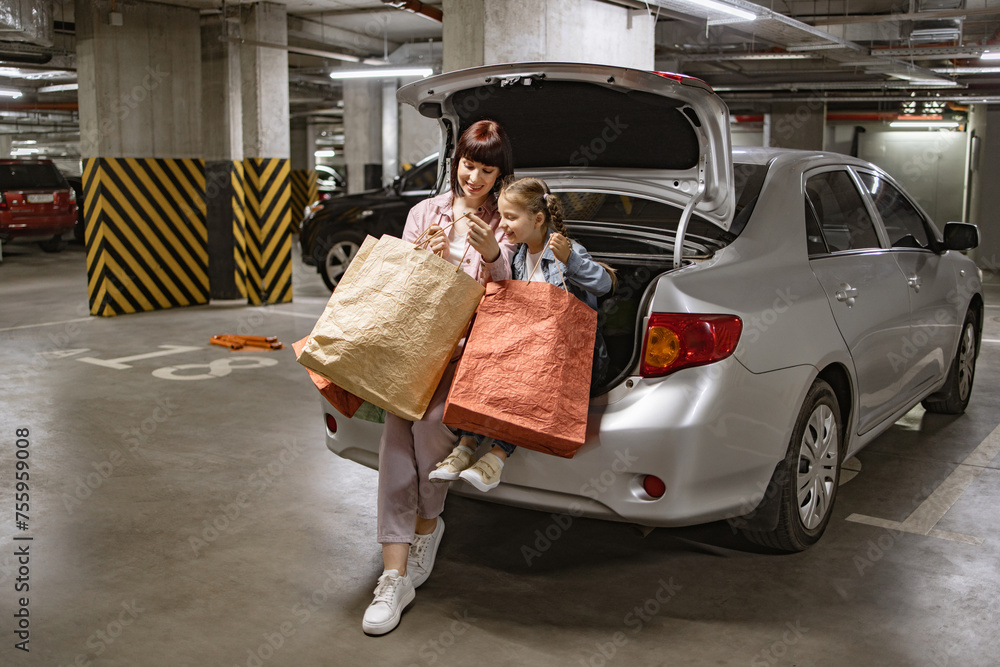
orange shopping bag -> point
(345, 402)
(525, 374)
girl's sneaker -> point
(484, 473)
(459, 459)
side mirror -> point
(960, 236)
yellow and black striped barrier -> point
(304, 192)
(268, 243)
(145, 233)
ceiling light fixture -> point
(59, 88)
(740, 14)
(924, 123)
(990, 55)
(382, 73)
(10, 92)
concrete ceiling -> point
(848, 53)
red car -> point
(36, 203)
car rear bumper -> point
(712, 434)
(36, 228)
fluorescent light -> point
(382, 73)
(990, 55)
(325, 153)
(924, 123)
(10, 92)
(58, 88)
(724, 8)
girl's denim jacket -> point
(586, 280)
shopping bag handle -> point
(424, 243)
(561, 276)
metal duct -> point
(27, 21)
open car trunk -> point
(663, 134)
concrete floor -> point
(203, 522)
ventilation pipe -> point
(27, 21)
(418, 8)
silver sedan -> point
(776, 310)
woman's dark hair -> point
(484, 141)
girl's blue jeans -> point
(505, 446)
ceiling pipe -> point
(418, 8)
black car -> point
(334, 229)
(76, 182)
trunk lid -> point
(665, 135)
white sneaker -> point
(484, 473)
(393, 594)
(423, 551)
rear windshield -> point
(632, 211)
(31, 177)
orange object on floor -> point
(238, 342)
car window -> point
(902, 222)
(631, 211)
(421, 178)
(840, 210)
(29, 176)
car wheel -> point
(954, 396)
(812, 472)
(341, 247)
(54, 244)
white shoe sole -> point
(477, 481)
(391, 622)
(442, 476)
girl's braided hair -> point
(533, 195)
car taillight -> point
(681, 340)
(654, 486)
(3, 202)
(331, 423)
(72, 196)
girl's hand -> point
(438, 240)
(482, 239)
(560, 246)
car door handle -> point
(914, 282)
(847, 294)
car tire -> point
(336, 252)
(954, 396)
(812, 473)
(54, 244)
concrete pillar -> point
(985, 200)
(265, 81)
(303, 145)
(797, 125)
(222, 97)
(486, 32)
(363, 133)
(390, 131)
(6, 144)
(140, 82)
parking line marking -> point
(991, 340)
(48, 324)
(923, 519)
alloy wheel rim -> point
(339, 257)
(966, 361)
(817, 468)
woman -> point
(463, 226)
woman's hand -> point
(438, 240)
(482, 239)
(561, 246)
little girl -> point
(531, 216)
